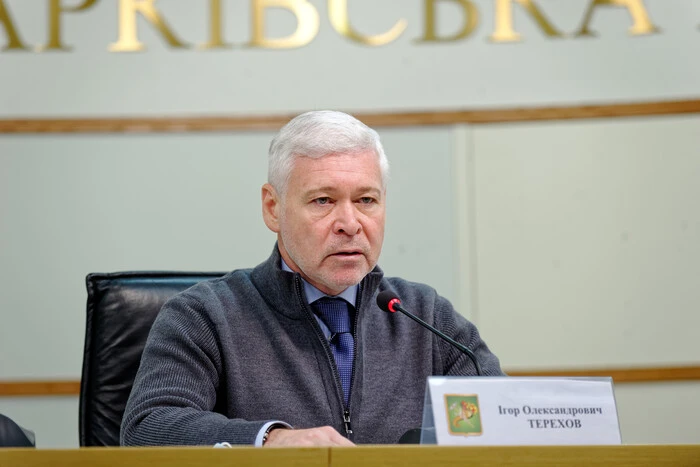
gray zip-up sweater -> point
(228, 355)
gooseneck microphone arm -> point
(389, 302)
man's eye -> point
(322, 201)
(366, 200)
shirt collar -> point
(313, 294)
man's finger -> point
(322, 436)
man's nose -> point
(346, 219)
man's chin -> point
(337, 284)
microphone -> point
(389, 302)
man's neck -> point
(313, 293)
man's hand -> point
(323, 436)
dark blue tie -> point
(336, 314)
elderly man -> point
(296, 351)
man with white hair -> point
(295, 352)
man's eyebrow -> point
(320, 189)
(371, 190)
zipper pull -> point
(346, 419)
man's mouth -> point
(347, 253)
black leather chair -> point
(121, 308)
(14, 436)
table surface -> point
(365, 456)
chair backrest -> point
(14, 436)
(121, 308)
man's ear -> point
(271, 207)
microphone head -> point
(387, 301)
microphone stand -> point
(462, 348)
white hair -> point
(316, 134)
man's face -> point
(330, 222)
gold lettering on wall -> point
(216, 40)
(55, 10)
(307, 24)
(13, 40)
(504, 30)
(132, 13)
(471, 20)
(338, 14)
(641, 21)
(128, 37)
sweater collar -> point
(284, 290)
(313, 294)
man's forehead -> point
(326, 188)
(337, 162)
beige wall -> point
(334, 71)
(594, 230)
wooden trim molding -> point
(273, 122)
(619, 375)
(39, 388)
(624, 375)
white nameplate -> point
(520, 411)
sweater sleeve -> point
(455, 363)
(174, 397)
